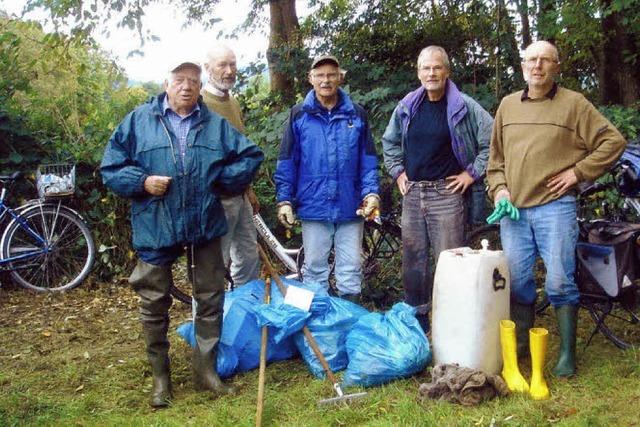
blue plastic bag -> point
(384, 347)
(284, 318)
(240, 329)
(227, 360)
(330, 322)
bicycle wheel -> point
(181, 288)
(618, 321)
(63, 258)
(382, 262)
(381, 249)
(490, 232)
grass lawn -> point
(78, 359)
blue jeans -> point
(551, 231)
(431, 216)
(318, 237)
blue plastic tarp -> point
(384, 347)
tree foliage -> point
(61, 99)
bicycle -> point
(611, 312)
(380, 247)
(45, 246)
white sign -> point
(298, 297)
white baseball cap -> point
(184, 62)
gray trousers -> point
(240, 244)
(431, 217)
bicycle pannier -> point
(609, 263)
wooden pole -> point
(307, 333)
(263, 357)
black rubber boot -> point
(208, 291)
(152, 284)
(567, 324)
(524, 317)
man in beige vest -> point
(239, 245)
(546, 139)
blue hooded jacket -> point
(218, 160)
(327, 162)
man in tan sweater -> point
(239, 245)
(545, 140)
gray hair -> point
(433, 49)
(217, 51)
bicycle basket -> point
(56, 180)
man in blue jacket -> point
(173, 159)
(327, 170)
(436, 148)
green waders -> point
(207, 276)
(152, 284)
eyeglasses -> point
(328, 76)
(434, 69)
(543, 60)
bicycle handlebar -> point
(10, 178)
(594, 188)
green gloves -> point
(503, 208)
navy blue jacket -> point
(218, 160)
(327, 162)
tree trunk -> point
(508, 57)
(619, 77)
(523, 9)
(284, 44)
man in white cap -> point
(240, 244)
(173, 158)
(327, 173)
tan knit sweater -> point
(228, 107)
(533, 140)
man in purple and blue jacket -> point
(436, 147)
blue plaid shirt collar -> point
(165, 106)
(180, 125)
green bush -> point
(59, 102)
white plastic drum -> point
(470, 297)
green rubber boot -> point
(567, 324)
(524, 316)
(152, 283)
(207, 278)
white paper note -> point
(298, 297)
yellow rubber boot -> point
(538, 339)
(510, 371)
